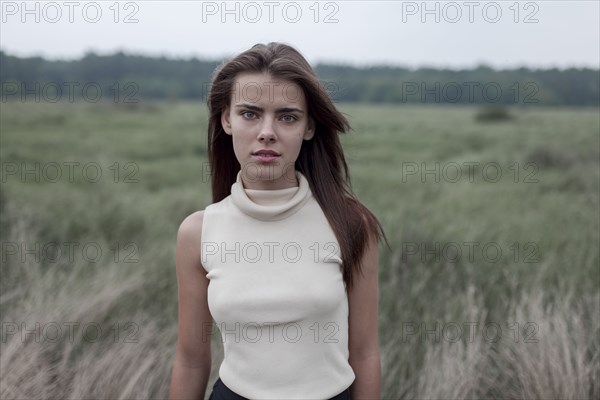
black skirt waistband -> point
(222, 392)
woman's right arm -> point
(192, 361)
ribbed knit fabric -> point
(277, 294)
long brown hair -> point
(321, 160)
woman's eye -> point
(292, 118)
(247, 112)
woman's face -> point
(267, 114)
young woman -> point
(285, 259)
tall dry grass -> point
(46, 353)
(555, 356)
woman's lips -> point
(265, 157)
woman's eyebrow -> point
(256, 108)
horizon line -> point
(341, 63)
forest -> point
(129, 78)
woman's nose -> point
(267, 133)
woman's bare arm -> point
(363, 300)
(192, 361)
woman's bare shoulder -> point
(189, 237)
(191, 226)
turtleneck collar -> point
(270, 205)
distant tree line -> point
(132, 78)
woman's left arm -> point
(363, 340)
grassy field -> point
(491, 289)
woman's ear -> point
(225, 122)
(310, 129)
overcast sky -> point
(437, 33)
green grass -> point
(550, 209)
